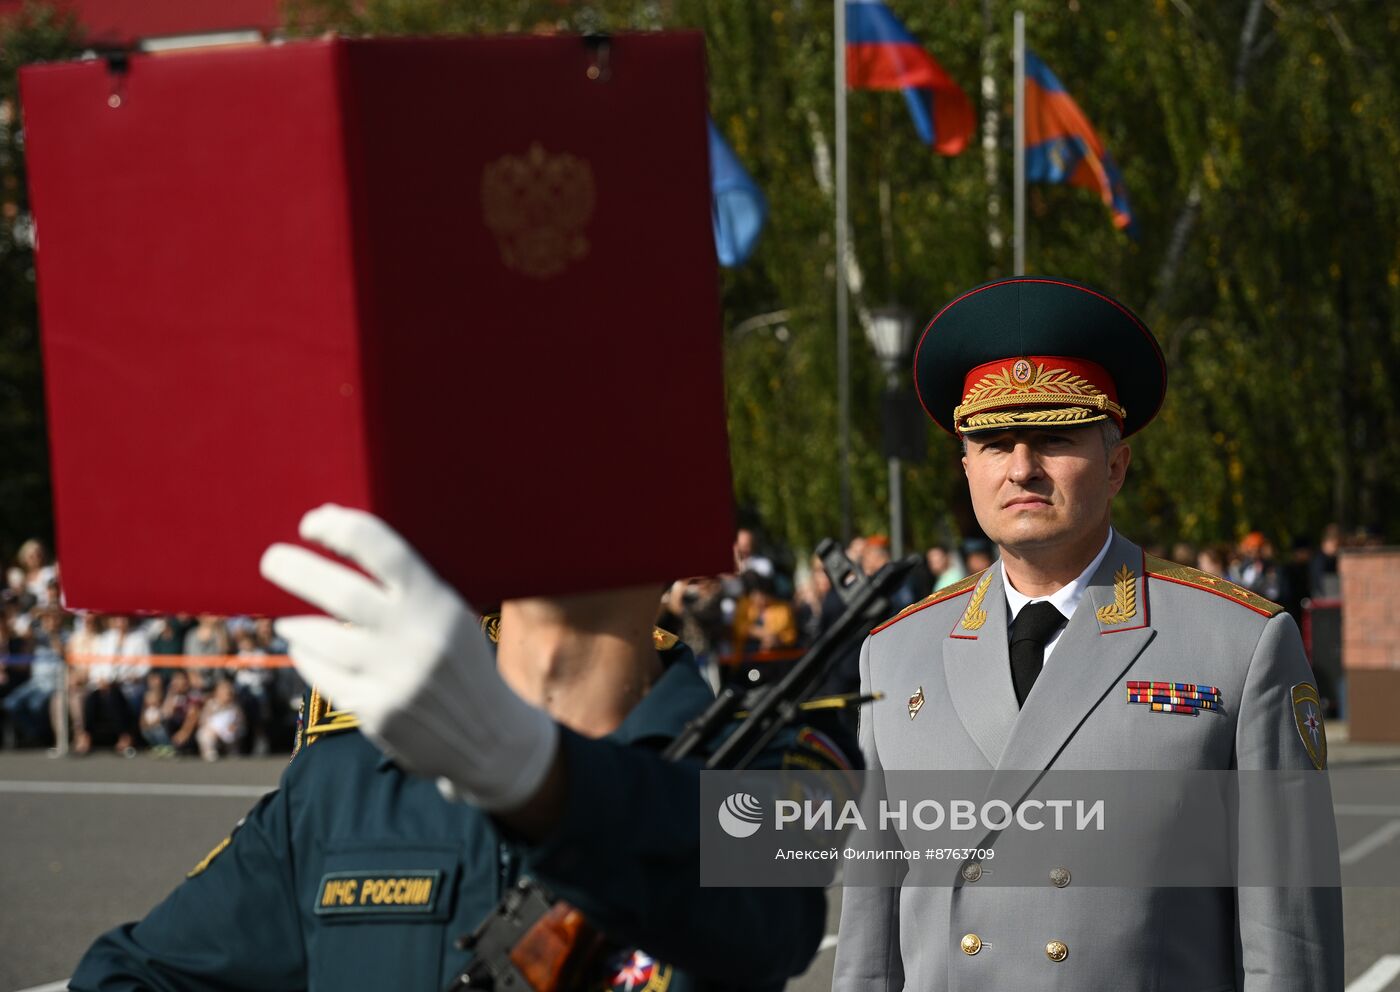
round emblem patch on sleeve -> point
(1307, 714)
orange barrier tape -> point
(283, 661)
(182, 660)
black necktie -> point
(1035, 624)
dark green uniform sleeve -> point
(627, 853)
(232, 925)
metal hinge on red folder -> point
(118, 62)
(600, 57)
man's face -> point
(1043, 489)
(743, 547)
(876, 557)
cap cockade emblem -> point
(538, 205)
(1027, 393)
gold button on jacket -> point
(1056, 950)
(971, 944)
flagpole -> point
(1019, 59)
(843, 317)
(991, 130)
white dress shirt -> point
(1065, 599)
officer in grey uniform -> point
(1077, 651)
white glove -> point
(410, 660)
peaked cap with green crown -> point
(1035, 352)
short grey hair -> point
(1112, 435)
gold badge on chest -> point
(916, 702)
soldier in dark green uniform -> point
(357, 874)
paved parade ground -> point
(87, 843)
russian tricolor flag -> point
(881, 54)
(1062, 146)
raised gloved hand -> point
(408, 657)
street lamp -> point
(891, 333)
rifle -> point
(533, 942)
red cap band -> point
(993, 391)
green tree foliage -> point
(1264, 134)
(35, 34)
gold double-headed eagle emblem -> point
(538, 205)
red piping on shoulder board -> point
(909, 611)
(1219, 592)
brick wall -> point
(1371, 641)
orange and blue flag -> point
(1062, 146)
(881, 54)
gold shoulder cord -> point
(321, 719)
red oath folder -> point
(468, 284)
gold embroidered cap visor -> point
(1035, 352)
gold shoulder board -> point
(933, 599)
(1160, 568)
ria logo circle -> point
(741, 815)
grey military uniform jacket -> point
(1142, 618)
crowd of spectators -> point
(747, 623)
(1308, 572)
(96, 681)
(131, 684)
